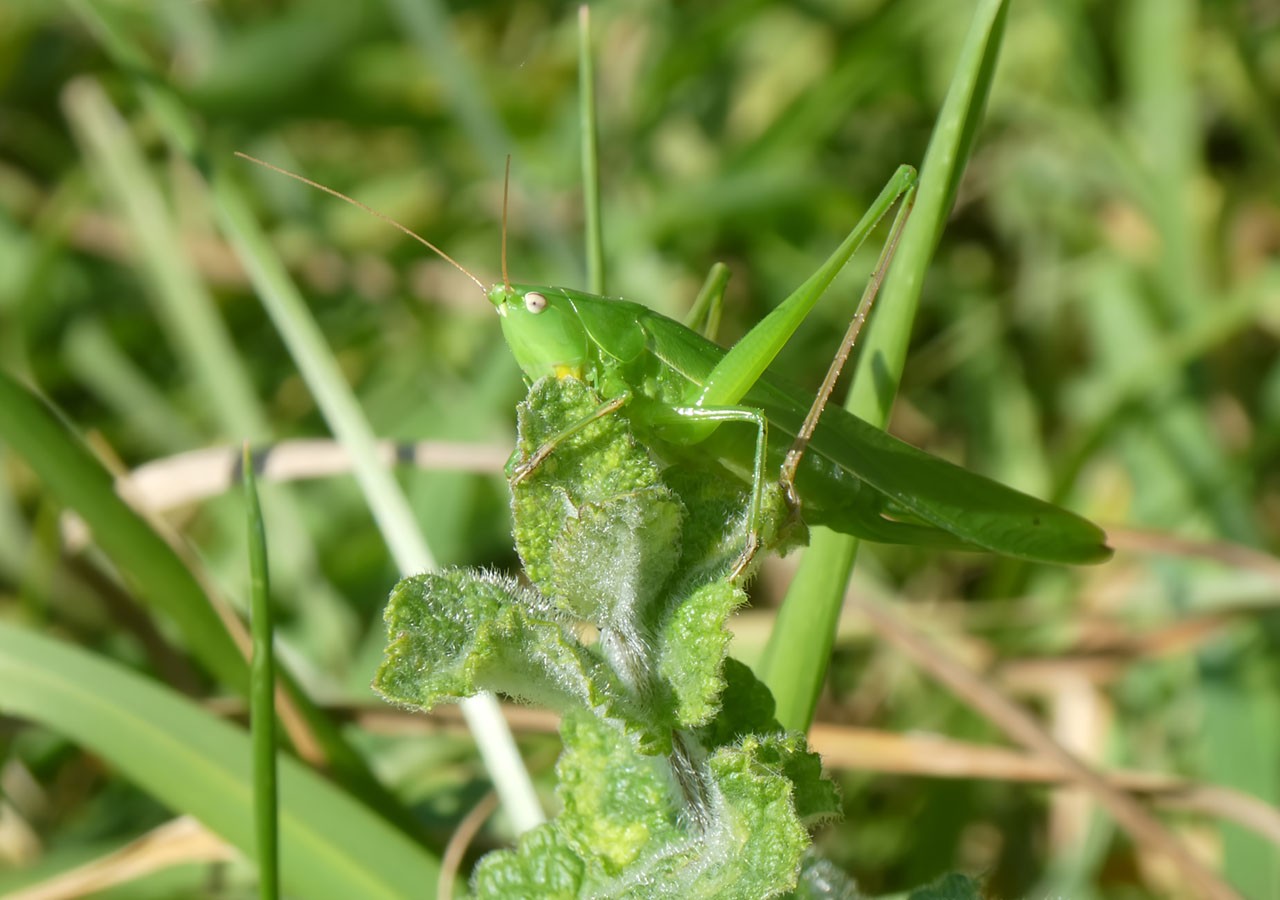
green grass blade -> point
(884, 353)
(708, 306)
(808, 616)
(1161, 96)
(31, 429)
(262, 691)
(332, 846)
(1242, 732)
(590, 155)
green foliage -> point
(651, 803)
(619, 822)
(543, 866)
(1097, 326)
(599, 533)
(457, 633)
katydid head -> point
(543, 330)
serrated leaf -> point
(748, 710)
(645, 558)
(756, 828)
(595, 464)
(543, 866)
(692, 649)
(458, 632)
(618, 804)
(752, 846)
(815, 796)
(623, 819)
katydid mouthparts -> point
(692, 402)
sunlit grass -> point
(1097, 327)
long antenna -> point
(373, 212)
(506, 185)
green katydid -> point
(689, 400)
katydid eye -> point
(535, 302)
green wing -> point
(931, 501)
(914, 497)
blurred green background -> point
(1099, 327)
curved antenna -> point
(369, 209)
(506, 185)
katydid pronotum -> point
(691, 401)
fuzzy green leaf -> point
(816, 798)
(618, 804)
(692, 649)
(754, 843)
(456, 633)
(758, 833)
(748, 710)
(598, 527)
(692, 638)
(746, 707)
(596, 463)
(611, 562)
(623, 819)
(542, 866)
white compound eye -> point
(535, 302)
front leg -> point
(518, 473)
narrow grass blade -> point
(808, 616)
(262, 692)
(705, 313)
(590, 155)
(332, 846)
(31, 429)
(1242, 732)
